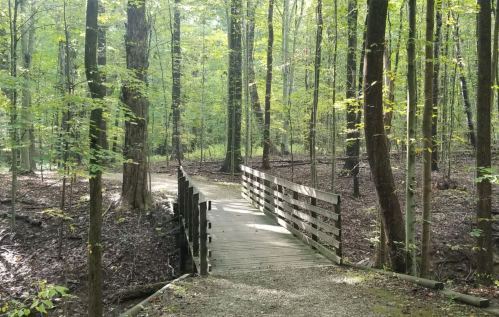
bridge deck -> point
(244, 238)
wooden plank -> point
(301, 204)
(308, 218)
(326, 252)
(305, 190)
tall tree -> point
(464, 84)
(268, 88)
(176, 87)
(315, 103)
(26, 131)
(410, 203)
(427, 139)
(352, 105)
(436, 80)
(485, 262)
(377, 147)
(135, 191)
(97, 92)
(286, 30)
(233, 155)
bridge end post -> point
(203, 239)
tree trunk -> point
(410, 205)
(436, 91)
(317, 73)
(135, 192)
(464, 86)
(177, 150)
(233, 154)
(377, 147)
(268, 89)
(484, 257)
(253, 89)
(335, 57)
(102, 61)
(286, 29)
(98, 91)
(427, 139)
(351, 94)
(27, 40)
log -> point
(27, 219)
(468, 299)
(138, 292)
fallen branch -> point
(27, 219)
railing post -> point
(190, 194)
(313, 202)
(195, 224)
(186, 204)
(181, 196)
(337, 224)
(295, 207)
(279, 202)
(203, 239)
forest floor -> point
(138, 249)
(453, 210)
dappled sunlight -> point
(351, 280)
(271, 228)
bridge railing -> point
(194, 238)
(312, 215)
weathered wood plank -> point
(305, 190)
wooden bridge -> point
(277, 224)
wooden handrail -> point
(280, 198)
(192, 208)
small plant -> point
(40, 302)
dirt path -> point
(167, 182)
(328, 292)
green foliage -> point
(41, 302)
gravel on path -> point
(327, 291)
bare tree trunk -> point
(317, 73)
(135, 191)
(410, 205)
(464, 86)
(98, 91)
(268, 88)
(233, 154)
(13, 16)
(27, 40)
(335, 57)
(427, 139)
(352, 106)
(484, 256)
(436, 90)
(178, 152)
(377, 147)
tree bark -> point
(177, 150)
(377, 147)
(410, 205)
(233, 155)
(317, 73)
(27, 40)
(351, 94)
(484, 257)
(436, 88)
(135, 191)
(97, 90)
(464, 86)
(427, 139)
(268, 88)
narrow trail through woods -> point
(318, 291)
